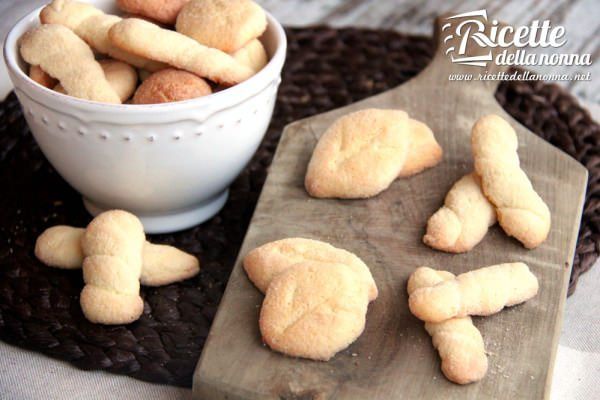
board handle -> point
(464, 50)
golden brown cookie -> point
(170, 85)
(313, 310)
(163, 11)
(269, 260)
(226, 25)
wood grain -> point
(394, 357)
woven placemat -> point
(326, 68)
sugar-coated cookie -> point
(163, 11)
(38, 75)
(521, 212)
(313, 310)
(464, 219)
(163, 265)
(171, 85)
(226, 25)
(112, 244)
(121, 76)
(269, 260)
(253, 55)
(64, 56)
(424, 151)
(457, 340)
(359, 155)
(483, 291)
(92, 25)
(60, 247)
(150, 41)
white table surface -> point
(28, 375)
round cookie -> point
(170, 85)
(313, 310)
(271, 259)
(222, 24)
(163, 11)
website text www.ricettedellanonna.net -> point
(520, 76)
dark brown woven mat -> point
(326, 68)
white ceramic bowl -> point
(170, 164)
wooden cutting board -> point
(394, 358)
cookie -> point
(170, 85)
(359, 155)
(269, 260)
(63, 55)
(424, 151)
(38, 75)
(226, 25)
(150, 41)
(464, 219)
(484, 291)
(60, 247)
(253, 55)
(112, 244)
(521, 212)
(457, 340)
(313, 310)
(163, 265)
(92, 25)
(163, 11)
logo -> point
(467, 31)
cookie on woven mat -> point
(269, 260)
(226, 25)
(150, 41)
(64, 56)
(363, 152)
(112, 245)
(60, 247)
(163, 11)
(170, 85)
(314, 310)
(122, 77)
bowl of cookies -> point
(152, 107)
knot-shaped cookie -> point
(484, 291)
(457, 340)
(521, 211)
(463, 220)
(112, 245)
